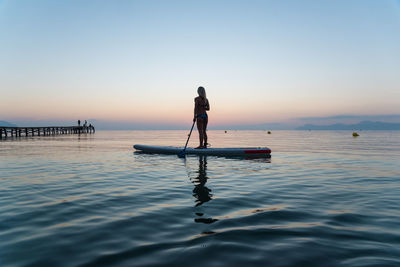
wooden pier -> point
(44, 131)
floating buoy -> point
(355, 134)
(269, 132)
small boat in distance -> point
(225, 151)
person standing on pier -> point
(79, 123)
(201, 105)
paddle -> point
(182, 153)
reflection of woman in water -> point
(200, 191)
(201, 105)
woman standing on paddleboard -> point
(201, 105)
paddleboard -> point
(226, 151)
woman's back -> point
(201, 105)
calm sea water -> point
(323, 199)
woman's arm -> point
(194, 116)
(207, 106)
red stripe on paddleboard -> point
(259, 151)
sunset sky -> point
(142, 61)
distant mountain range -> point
(363, 125)
(7, 124)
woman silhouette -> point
(201, 105)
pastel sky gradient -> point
(142, 61)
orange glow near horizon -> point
(172, 112)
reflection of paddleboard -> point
(235, 151)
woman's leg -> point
(200, 128)
(205, 131)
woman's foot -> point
(199, 147)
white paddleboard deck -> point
(235, 151)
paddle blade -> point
(182, 154)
